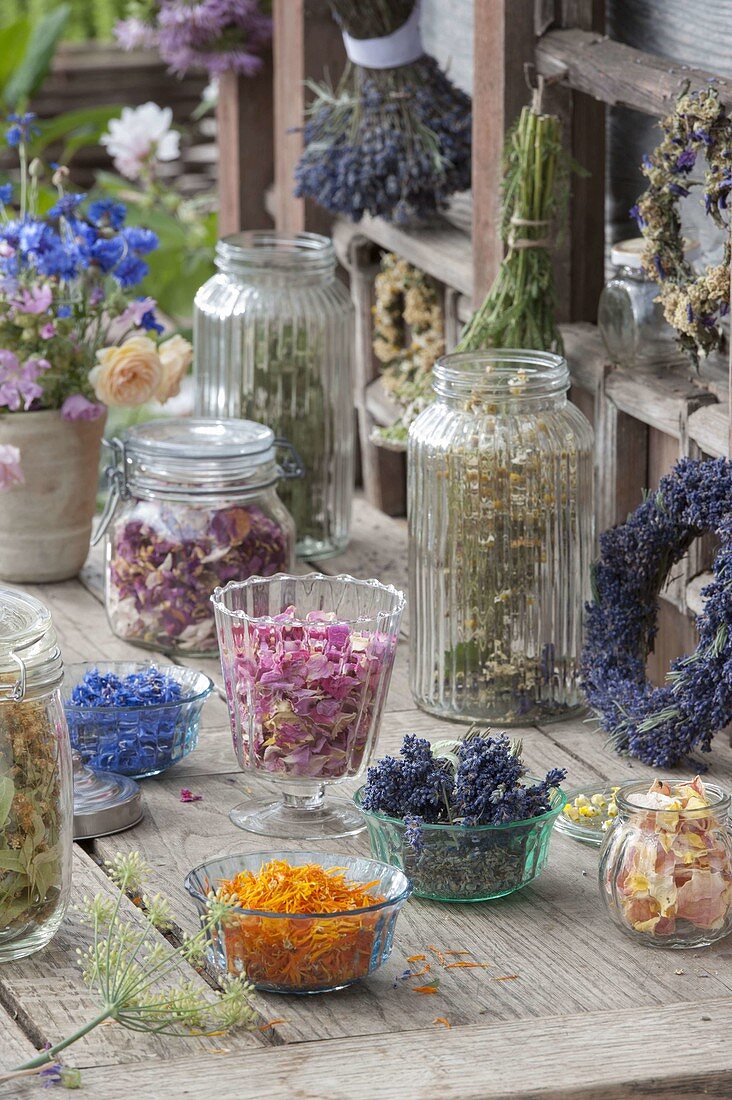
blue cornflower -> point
(63, 312)
(107, 212)
(685, 161)
(66, 206)
(107, 253)
(6, 193)
(21, 128)
(149, 322)
(130, 271)
(140, 240)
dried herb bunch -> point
(32, 813)
(520, 310)
(408, 338)
(393, 143)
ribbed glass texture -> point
(273, 334)
(500, 540)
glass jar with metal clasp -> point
(193, 504)
(36, 790)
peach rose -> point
(175, 356)
(127, 375)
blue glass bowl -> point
(136, 741)
(261, 945)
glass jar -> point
(193, 505)
(630, 319)
(500, 479)
(273, 336)
(36, 789)
(666, 874)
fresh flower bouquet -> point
(74, 336)
(461, 817)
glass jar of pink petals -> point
(666, 863)
(306, 663)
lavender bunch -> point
(479, 780)
(394, 143)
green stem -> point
(48, 1055)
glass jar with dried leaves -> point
(36, 789)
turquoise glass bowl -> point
(466, 863)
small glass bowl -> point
(136, 741)
(466, 863)
(588, 830)
(245, 943)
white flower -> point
(140, 136)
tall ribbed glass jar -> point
(273, 334)
(500, 540)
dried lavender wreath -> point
(693, 304)
(662, 726)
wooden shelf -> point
(617, 74)
(709, 430)
(442, 250)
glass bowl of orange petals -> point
(666, 863)
(300, 922)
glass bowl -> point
(246, 942)
(466, 863)
(136, 741)
(588, 830)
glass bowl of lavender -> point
(133, 718)
(462, 818)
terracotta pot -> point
(45, 524)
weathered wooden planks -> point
(606, 1054)
(618, 74)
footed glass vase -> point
(307, 663)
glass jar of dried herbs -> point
(36, 788)
(273, 334)
(500, 539)
(194, 504)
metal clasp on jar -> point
(116, 476)
(292, 465)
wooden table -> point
(586, 1012)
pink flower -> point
(18, 384)
(36, 300)
(48, 330)
(136, 311)
(10, 471)
(78, 407)
(189, 796)
(133, 32)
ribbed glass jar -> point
(500, 540)
(273, 335)
(36, 788)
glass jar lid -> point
(199, 456)
(30, 658)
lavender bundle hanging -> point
(393, 138)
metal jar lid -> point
(104, 803)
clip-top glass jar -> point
(36, 789)
(192, 506)
(666, 864)
(500, 539)
(630, 320)
(273, 336)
